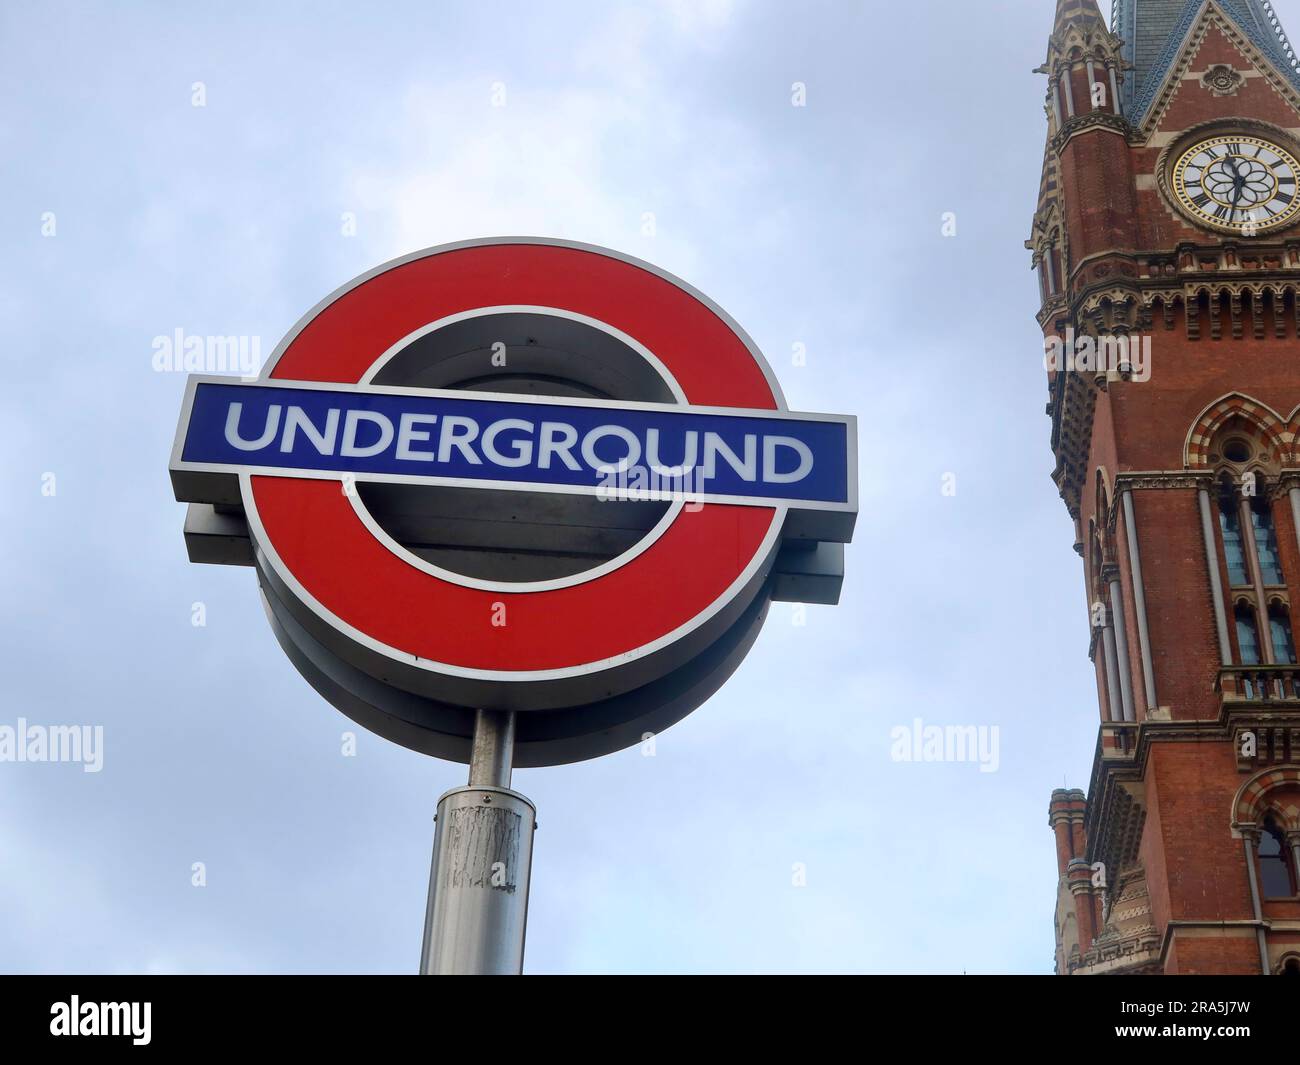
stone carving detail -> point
(1089, 120)
(1128, 942)
(1222, 80)
(1161, 479)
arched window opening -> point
(1292, 967)
(1276, 873)
(1102, 508)
(1247, 635)
(1234, 539)
(1279, 624)
(1270, 564)
(1234, 544)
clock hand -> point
(1237, 180)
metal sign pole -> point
(477, 911)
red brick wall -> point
(1151, 851)
(1180, 610)
(1205, 867)
(1100, 200)
(1209, 955)
(1196, 870)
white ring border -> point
(506, 587)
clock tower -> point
(1166, 243)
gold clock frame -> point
(1175, 157)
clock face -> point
(1239, 182)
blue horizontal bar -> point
(478, 438)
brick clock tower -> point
(1167, 247)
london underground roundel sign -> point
(516, 474)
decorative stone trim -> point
(1284, 960)
(1251, 801)
(1274, 428)
(1173, 78)
(1112, 123)
(1222, 80)
(1260, 746)
(1163, 479)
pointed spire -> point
(1075, 11)
(1081, 44)
(1083, 18)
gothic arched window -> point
(1247, 635)
(1270, 566)
(1234, 544)
(1276, 872)
(1244, 458)
(1279, 625)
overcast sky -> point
(817, 225)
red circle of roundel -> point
(320, 540)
